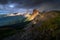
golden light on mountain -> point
(33, 15)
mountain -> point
(14, 14)
(42, 26)
(11, 20)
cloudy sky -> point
(11, 6)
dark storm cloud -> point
(28, 3)
(25, 3)
(3, 1)
(17, 5)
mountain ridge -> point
(44, 26)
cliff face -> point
(44, 26)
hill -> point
(44, 26)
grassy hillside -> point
(50, 28)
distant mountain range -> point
(9, 19)
(10, 14)
(13, 18)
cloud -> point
(29, 4)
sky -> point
(12, 6)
